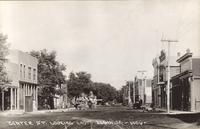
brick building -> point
(186, 85)
(22, 93)
(159, 83)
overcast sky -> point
(111, 40)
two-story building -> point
(186, 85)
(21, 93)
(159, 84)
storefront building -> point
(186, 85)
(21, 93)
(159, 83)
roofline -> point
(186, 55)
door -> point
(28, 104)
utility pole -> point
(133, 92)
(129, 93)
(168, 71)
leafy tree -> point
(119, 97)
(50, 75)
(78, 83)
(3, 54)
(3, 75)
(105, 91)
(81, 82)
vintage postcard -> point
(97, 64)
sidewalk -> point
(50, 111)
(22, 112)
(175, 112)
(11, 112)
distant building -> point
(186, 85)
(148, 91)
(128, 93)
(138, 89)
(143, 90)
(61, 100)
(159, 82)
(22, 93)
(125, 95)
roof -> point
(185, 56)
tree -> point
(81, 82)
(50, 74)
(119, 97)
(105, 91)
(78, 83)
(3, 75)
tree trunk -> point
(2, 100)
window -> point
(24, 71)
(34, 74)
(21, 70)
(29, 72)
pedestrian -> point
(92, 99)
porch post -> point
(11, 98)
(182, 86)
(36, 97)
(31, 90)
(24, 94)
(191, 96)
(26, 89)
(18, 96)
(15, 90)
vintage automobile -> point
(137, 105)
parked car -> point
(137, 105)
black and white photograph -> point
(100, 64)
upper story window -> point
(29, 72)
(34, 74)
(21, 67)
(161, 78)
(24, 71)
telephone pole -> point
(168, 71)
(129, 93)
